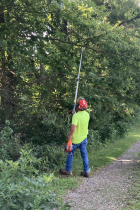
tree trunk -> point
(2, 65)
(3, 81)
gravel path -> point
(108, 188)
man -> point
(78, 136)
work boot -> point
(85, 174)
(64, 172)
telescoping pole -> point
(82, 50)
(69, 144)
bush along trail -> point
(25, 183)
(33, 181)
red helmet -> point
(82, 104)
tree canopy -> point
(40, 45)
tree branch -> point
(79, 45)
(127, 21)
(70, 43)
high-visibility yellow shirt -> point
(81, 120)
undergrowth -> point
(33, 180)
(21, 187)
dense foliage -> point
(40, 46)
(40, 52)
(21, 187)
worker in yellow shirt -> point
(78, 136)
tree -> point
(40, 53)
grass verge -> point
(134, 192)
(97, 159)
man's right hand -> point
(73, 112)
(69, 136)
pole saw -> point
(69, 144)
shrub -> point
(94, 140)
(10, 144)
(50, 156)
(19, 189)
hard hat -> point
(82, 104)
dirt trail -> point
(108, 188)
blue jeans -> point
(82, 146)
